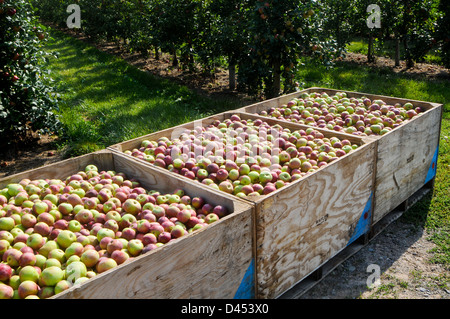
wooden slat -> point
(210, 263)
(403, 160)
(304, 225)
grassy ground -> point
(433, 212)
(107, 101)
(387, 49)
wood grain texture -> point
(304, 225)
(209, 263)
(206, 264)
(403, 160)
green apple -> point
(40, 261)
(254, 176)
(244, 169)
(14, 281)
(47, 247)
(52, 262)
(29, 273)
(74, 226)
(91, 167)
(234, 174)
(65, 238)
(40, 207)
(72, 259)
(135, 246)
(57, 254)
(52, 198)
(35, 241)
(62, 285)
(75, 270)
(14, 189)
(285, 177)
(105, 232)
(211, 218)
(7, 223)
(51, 276)
(265, 177)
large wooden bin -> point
(406, 157)
(301, 226)
(214, 262)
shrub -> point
(27, 100)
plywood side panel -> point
(404, 158)
(303, 226)
(210, 263)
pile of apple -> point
(58, 233)
(243, 157)
(358, 116)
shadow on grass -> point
(107, 101)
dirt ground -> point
(401, 251)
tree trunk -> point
(156, 54)
(232, 74)
(370, 53)
(409, 60)
(175, 59)
(397, 52)
(274, 88)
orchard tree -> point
(443, 32)
(417, 23)
(339, 19)
(141, 32)
(230, 32)
(280, 34)
(173, 24)
(27, 100)
(53, 11)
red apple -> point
(5, 272)
(119, 256)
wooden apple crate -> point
(406, 156)
(301, 226)
(214, 262)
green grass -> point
(387, 49)
(433, 211)
(107, 101)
